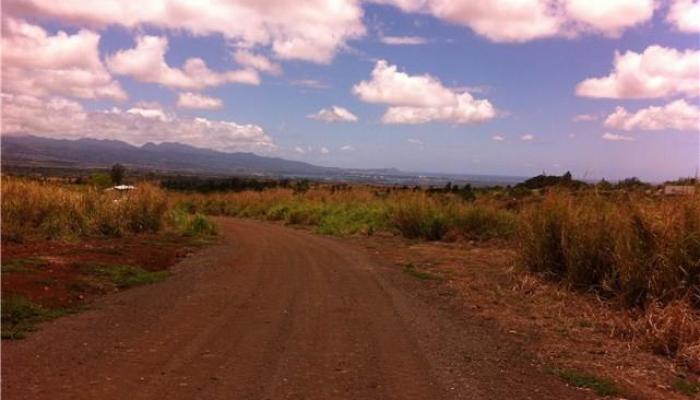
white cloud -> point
(38, 64)
(525, 20)
(585, 118)
(677, 115)
(527, 137)
(610, 17)
(61, 118)
(498, 138)
(256, 61)
(657, 72)
(153, 112)
(685, 15)
(300, 150)
(312, 30)
(146, 63)
(309, 84)
(198, 101)
(347, 148)
(334, 114)
(324, 150)
(616, 138)
(403, 40)
(416, 99)
(498, 20)
(417, 142)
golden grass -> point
(639, 248)
(51, 211)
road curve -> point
(272, 313)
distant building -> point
(679, 190)
(122, 188)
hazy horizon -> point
(504, 88)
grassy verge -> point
(19, 316)
(22, 264)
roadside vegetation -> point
(626, 243)
(39, 217)
(33, 210)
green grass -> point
(123, 276)
(685, 387)
(410, 269)
(19, 316)
(22, 264)
(601, 386)
(192, 225)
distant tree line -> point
(229, 184)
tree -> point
(117, 173)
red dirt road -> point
(275, 313)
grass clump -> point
(192, 224)
(19, 316)
(601, 386)
(123, 276)
(686, 387)
(411, 269)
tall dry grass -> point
(640, 249)
(51, 211)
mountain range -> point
(98, 153)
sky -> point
(604, 89)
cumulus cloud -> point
(312, 30)
(146, 63)
(198, 101)
(498, 138)
(610, 17)
(656, 72)
(334, 114)
(684, 15)
(416, 99)
(677, 115)
(417, 142)
(498, 20)
(403, 40)
(347, 148)
(38, 64)
(527, 137)
(525, 20)
(616, 138)
(256, 61)
(62, 118)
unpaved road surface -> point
(274, 313)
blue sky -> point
(529, 80)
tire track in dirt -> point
(271, 313)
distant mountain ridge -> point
(168, 156)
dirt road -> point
(274, 313)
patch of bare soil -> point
(572, 333)
(57, 275)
